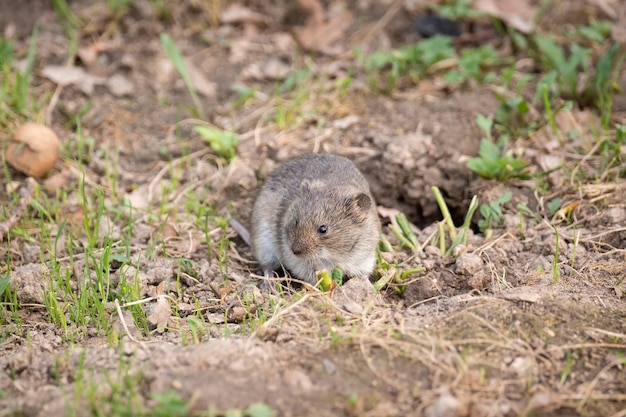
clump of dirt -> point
(421, 145)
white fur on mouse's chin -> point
(353, 266)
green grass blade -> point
(4, 283)
(462, 236)
(443, 207)
(178, 60)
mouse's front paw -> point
(268, 286)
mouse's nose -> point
(298, 247)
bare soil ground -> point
(502, 329)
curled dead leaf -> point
(34, 149)
(618, 33)
(322, 36)
(160, 314)
(77, 76)
(518, 14)
(237, 13)
(200, 82)
(57, 180)
(566, 211)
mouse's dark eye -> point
(322, 230)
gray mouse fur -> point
(315, 212)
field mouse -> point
(315, 212)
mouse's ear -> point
(358, 205)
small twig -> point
(587, 156)
(123, 321)
(24, 304)
(589, 389)
(607, 332)
(142, 301)
(189, 277)
(590, 346)
(82, 175)
(57, 91)
(283, 312)
(492, 243)
(159, 176)
(53, 103)
(427, 300)
(257, 113)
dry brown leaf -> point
(518, 14)
(138, 198)
(185, 308)
(89, 54)
(164, 70)
(282, 42)
(72, 76)
(169, 231)
(315, 8)
(57, 180)
(162, 288)
(178, 244)
(236, 13)
(346, 122)
(12, 186)
(582, 121)
(549, 162)
(566, 211)
(320, 36)
(544, 400)
(183, 246)
(618, 33)
(607, 6)
(388, 212)
(161, 313)
(199, 81)
(272, 69)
